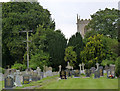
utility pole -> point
(27, 32)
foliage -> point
(19, 17)
(117, 67)
(55, 45)
(107, 62)
(39, 60)
(93, 51)
(105, 22)
(70, 55)
(19, 66)
(77, 43)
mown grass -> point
(83, 83)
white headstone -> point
(17, 78)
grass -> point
(1, 85)
(73, 83)
(83, 83)
(39, 83)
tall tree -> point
(77, 42)
(18, 17)
(105, 22)
(93, 51)
(55, 45)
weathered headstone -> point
(112, 68)
(88, 73)
(9, 82)
(97, 74)
(108, 73)
(17, 78)
(63, 74)
(76, 73)
(26, 79)
(101, 71)
(38, 73)
(34, 76)
(92, 69)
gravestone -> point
(97, 74)
(38, 73)
(108, 73)
(88, 73)
(9, 82)
(17, 78)
(63, 74)
(92, 69)
(76, 73)
(80, 67)
(26, 79)
(112, 69)
(101, 71)
(34, 76)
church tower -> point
(81, 25)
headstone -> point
(9, 82)
(63, 74)
(101, 71)
(68, 73)
(38, 73)
(108, 73)
(26, 79)
(34, 76)
(97, 74)
(88, 72)
(80, 67)
(92, 69)
(112, 68)
(60, 68)
(17, 78)
(76, 73)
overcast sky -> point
(64, 12)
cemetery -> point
(16, 79)
(36, 55)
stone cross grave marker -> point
(97, 64)
(80, 67)
(83, 71)
(60, 68)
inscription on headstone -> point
(26, 79)
(9, 82)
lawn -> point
(72, 83)
(83, 83)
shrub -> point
(19, 66)
(117, 67)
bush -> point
(117, 67)
(107, 62)
(19, 66)
(2, 70)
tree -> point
(70, 55)
(55, 45)
(117, 67)
(93, 51)
(77, 42)
(19, 17)
(105, 22)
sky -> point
(64, 12)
